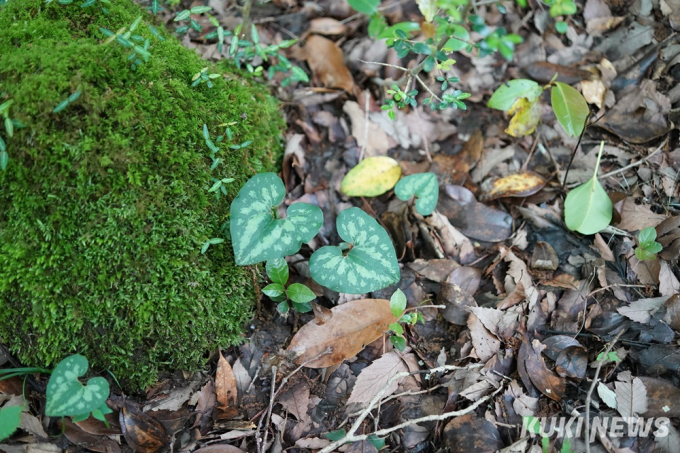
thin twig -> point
(363, 145)
(350, 436)
(634, 164)
(594, 384)
(417, 69)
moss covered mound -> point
(104, 206)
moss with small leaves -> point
(104, 205)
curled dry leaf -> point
(326, 60)
(516, 185)
(142, 432)
(544, 257)
(547, 382)
(326, 26)
(352, 326)
(374, 378)
(226, 390)
(83, 439)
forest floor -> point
(523, 317)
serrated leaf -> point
(631, 397)
(425, 188)
(508, 93)
(570, 108)
(587, 208)
(372, 177)
(256, 234)
(300, 294)
(398, 303)
(67, 396)
(364, 6)
(10, 419)
(525, 117)
(277, 270)
(370, 265)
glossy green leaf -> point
(10, 418)
(647, 236)
(425, 188)
(67, 396)
(372, 177)
(274, 290)
(370, 264)
(3, 146)
(506, 95)
(406, 27)
(643, 254)
(9, 127)
(396, 328)
(587, 208)
(200, 9)
(398, 303)
(257, 235)
(182, 15)
(458, 38)
(277, 270)
(570, 108)
(335, 435)
(561, 27)
(61, 106)
(299, 293)
(398, 342)
(364, 6)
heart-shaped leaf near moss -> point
(365, 262)
(587, 208)
(257, 234)
(424, 186)
(67, 396)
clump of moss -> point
(104, 206)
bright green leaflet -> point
(587, 208)
(424, 186)
(570, 108)
(257, 235)
(406, 27)
(67, 396)
(506, 95)
(371, 263)
(364, 6)
(398, 303)
(10, 418)
(277, 269)
(300, 294)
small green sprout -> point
(647, 245)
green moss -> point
(104, 206)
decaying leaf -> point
(516, 185)
(470, 433)
(226, 390)
(372, 177)
(631, 397)
(326, 26)
(374, 378)
(544, 257)
(142, 432)
(354, 325)
(326, 60)
(525, 117)
(547, 382)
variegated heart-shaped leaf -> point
(368, 263)
(67, 396)
(424, 186)
(257, 234)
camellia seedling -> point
(256, 231)
(365, 262)
(647, 245)
(299, 294)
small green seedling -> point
(365, 262)
(66, 102)
(209, 242)
(186, 14)
(398, 307)
(257, 233)
(610, 357)
(66, 396)
(424, 186)
(587, 208)
(520, 98)
(204, 77)
(9, 129)
(138, 45)
(647, 245)
(299, 294)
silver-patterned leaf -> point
(67, 396)
(370, 265)
(424, 186)
(256, 234)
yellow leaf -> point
(526, 115)
(372, 177)
(516, 185)
(428, 8)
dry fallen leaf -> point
(219, 448)
(142, 432)
(226, 390)
(353, 325)
(374, 378)
(547, 382)
(326, 26)
(88, 441)
(326, 60)
(470, 433)
(516, 185)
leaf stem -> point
(599, 156)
